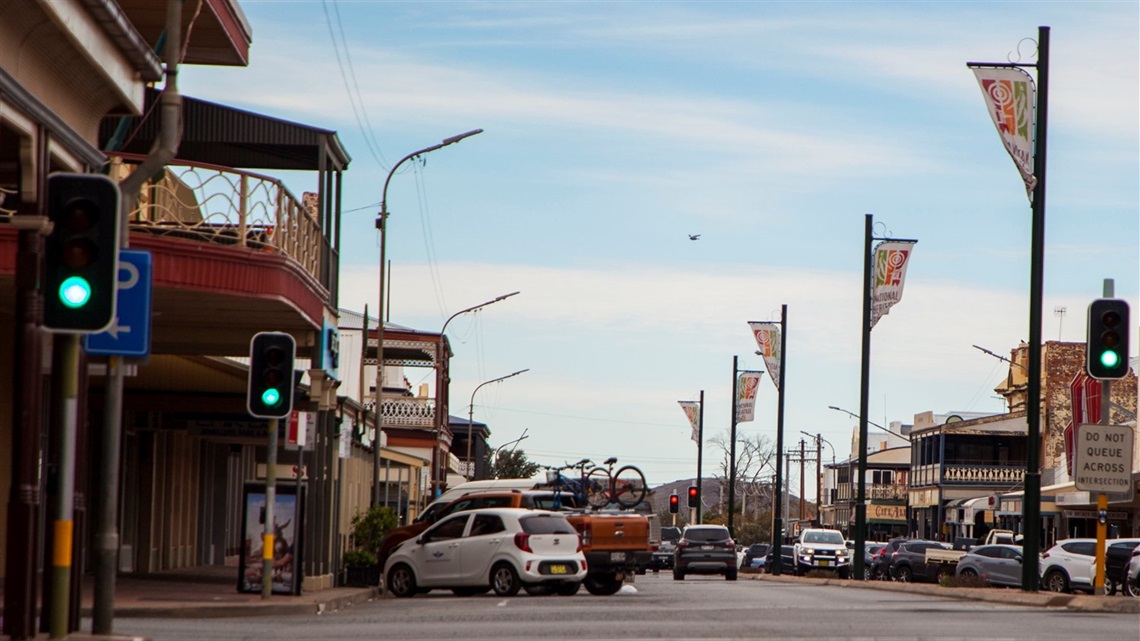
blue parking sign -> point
(129, 333)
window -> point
(496, 501)
(1080, 547)
(706, 534)
(543, 524)
(988, 551)
(883, 477)
(1009, 553)
(487, 524)
(449, 529)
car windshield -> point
(823, 537)
(543, 524)
(707, 534)
(670, 534)
(549, 502)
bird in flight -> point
(694, 236)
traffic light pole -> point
(63, 526)
(700, 453)
(267, 528)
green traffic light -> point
(75, 292)
(271, 397)
(1109, 358)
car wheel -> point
(1056, 581)
(678, 575)
(402, 581)
(730, 574)
(1110, 587)
(1130, 588)
(602, 584)
(903, 574)
(539, 590)
(504, 580)
(568, 589)
(868, 573)
(968, 573)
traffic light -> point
(694, 496)
(81, 254)
(1106, 351)
(270, 393)
(674, 503)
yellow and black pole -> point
(267, 530)
(63, 526)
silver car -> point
(995, 564)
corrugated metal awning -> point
(221, 135)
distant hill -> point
(715, 494)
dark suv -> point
(705, 549)
(753, 552)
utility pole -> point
(803, 506)
(818, 478)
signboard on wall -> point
(1103, 461)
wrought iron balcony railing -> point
(407, 411)
(226, 206)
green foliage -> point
(359, 558)
(369, 527)
(513, 465)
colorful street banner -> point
(746, 388)
(693, 411)
(767, 336)
(1011, 99)
(891, 259)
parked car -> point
(1132, 574)
(705, 549)
(871, 551)
(994, 564)
(787, 560)
(537, 499)
(754, 556)
(823, 549)
(663, 556)
(500, 549)
(1117, 554)
(908, 562)
(1070, 564)
(882, 561)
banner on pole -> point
(692, 410)
(1011, 98)
(891, 260)
(767, 336)
(746, 388)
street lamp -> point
(380, 225)
(440, 384)
(471, 416)
(495, 454)
(869, 422)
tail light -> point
(1045, 555)
(730, 544)
(682, 544)
(522, 542)
(579, 549)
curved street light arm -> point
(471, 413)
(869, 422)
(446, 141)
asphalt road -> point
(656, 607)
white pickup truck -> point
(822, 549)
(947, 559)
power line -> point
(351, 86)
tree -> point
(513, 465)
(755, 464)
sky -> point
(615, 130)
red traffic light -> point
(694, 496)
(674, 503)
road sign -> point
(129, 333)
(1104, 458)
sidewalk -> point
(207, 592)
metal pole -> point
(818, 478)
(777, 517)
(864, 390)
(267, 528)
(381, 221)
(700, 454)
(471, 410)
(803, 501)
(732, 457)
(63, 527)
(1031, 506)
(1101, 497)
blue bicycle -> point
(580, 491)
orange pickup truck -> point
(617, 546)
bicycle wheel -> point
(629, 486)
(597, 488)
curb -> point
(1008, 596)
(309, 606)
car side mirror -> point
(1017, 558)
(420, 540)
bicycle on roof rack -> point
(597, 486)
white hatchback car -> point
(500, 549)
(1070, 564)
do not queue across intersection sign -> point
(1103, 458)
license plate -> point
(617, 556)
(559, 569)
(706, 547)
(823, 564)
